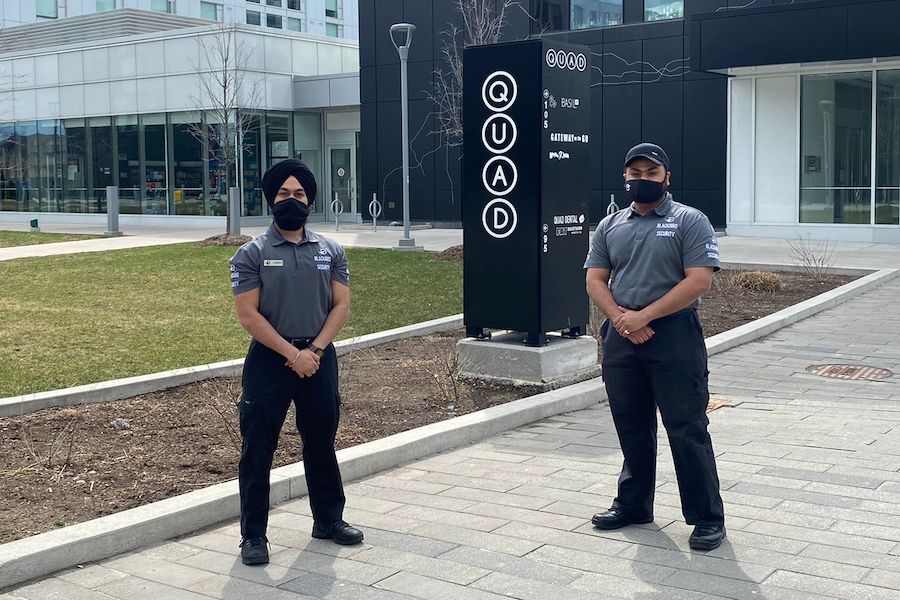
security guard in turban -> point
(291, 292)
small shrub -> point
(758, 281)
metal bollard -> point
(337, 207)
(375, 211)
(234, 211)
(112, 211)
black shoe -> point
(707, 537)
(339, 532)
(616, 518)
(255, 551)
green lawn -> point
(83, 318)
(27, 238)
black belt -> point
(301, 343)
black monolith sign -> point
(525, 187)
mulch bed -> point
(67, 465)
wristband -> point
(291, 364)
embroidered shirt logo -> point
(273, 263)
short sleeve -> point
(699, 247)
(245, 269)
(340, 267)
(598, 254)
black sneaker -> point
(340, 532)
(707, 537)
(255, 551)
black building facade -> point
(660, 72)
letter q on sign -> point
(499, 91)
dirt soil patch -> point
(226, 239)
(67, 465)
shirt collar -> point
(278, 239)
(662, 210)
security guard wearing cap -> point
(291, 292)
(662, 256)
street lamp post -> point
(404, 32)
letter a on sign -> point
(500, 175)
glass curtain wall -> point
(549, 15)
(836, 148)
(163, 164)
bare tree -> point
(482, 23)
(231, 101)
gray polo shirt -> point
(648, 254)
(294, 279)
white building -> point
(117, 99)
(334, 18)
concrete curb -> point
(107, 536)
(118, 389)
(766, 325)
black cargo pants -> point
(269, 387)
(668, 372)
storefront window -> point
(129, 163)
(660, 10)
(252, 170)
(50, 168)
(836, 148)
(887, 149)
(187, 161)
(156, 192)
(29, 174)
(102, 163)
(596, 13)
(10, 167)
(74, 169)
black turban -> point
(277, 174)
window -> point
(660, 10)
(596, 13)
(333, 30)
(836, 148)
(47, 9)
(105, 5)
(294, 24)
(211, 11)
(274, 3)
(887, 149)
(129, 164)
(295, 4)
(549, 15)
(274, 21)
(166, 6)
(333, 9)
(156, 191)
(253, 18)
(253, 1)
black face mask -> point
(290, 214)
(644, 191)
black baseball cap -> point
(649, 151)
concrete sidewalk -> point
(809, 470)
(734, 249)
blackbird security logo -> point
(498, 135)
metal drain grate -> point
(849, 372)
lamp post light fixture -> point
(401, 37)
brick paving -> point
(810, 471)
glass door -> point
(341, 179)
